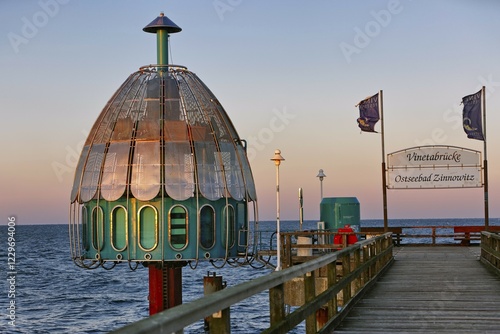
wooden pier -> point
(371, 287)
(429, 290)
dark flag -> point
(472, 119)
(368, 114)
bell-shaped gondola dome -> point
(163, 175)
(163, 133)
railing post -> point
(309, 295)
(277, 304)
(331, 276)
(433, 236)
(378, 246)
(346, 269)
(357, 280)
(288, 251)
(366, 257)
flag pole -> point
(384, 181)
(485, 162)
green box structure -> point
(336, 212)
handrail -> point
(462, 233)
(490, 250)
(377, 252)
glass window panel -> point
(227, 226)
(233, 172)
(172, 100)
(175, 131)
(97, 228)
(247, 173)
(148, 127)
(148, 228)
(179, 170)
(92, 172)
(207, 104)
(119, 228)
(207, 227)
(178, 223)
(78, 173)
(122, 130)
(145, 183)
(210, 178)
(114, 174)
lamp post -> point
(321, 176)
(277, 161)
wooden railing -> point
(436, 234)
(490, 250)
(348, 273)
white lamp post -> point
(277, 161)
(321, 176)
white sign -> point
(428, 167)
(434, 156)
(428, 178)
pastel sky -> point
(289, 74)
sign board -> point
(434, 156)
(428, 167)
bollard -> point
(219, 322)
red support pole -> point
(155, 290)
(173, 275)
(165, 288)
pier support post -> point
(219, 322)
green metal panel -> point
(129, 229)
(337, 212)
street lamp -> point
(277, 161)
(321, 176)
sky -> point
(288, 73)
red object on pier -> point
(351, 238)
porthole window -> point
(148, 228)
(207, 227)
(178, 227)
(227, 226)
(119, 229)
(97, 228)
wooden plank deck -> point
(430, 290)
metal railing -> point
(360, 264)
(490, 250)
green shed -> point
(336, 212)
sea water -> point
(53, 295)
